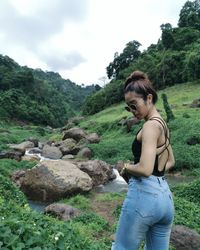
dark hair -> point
(139, 83)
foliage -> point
(36, 96)
(190, 15)
(110, 94)
(116, 143)
(20, 228)
(174, 59)
(189, 191)
(78, 201)
(187, 213)
(168, 110)
(123, 60)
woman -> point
(147, 212)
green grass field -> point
(22, 228)
(116, 142)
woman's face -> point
(137, 105)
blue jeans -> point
(147, 214)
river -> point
(117, 185)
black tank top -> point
(137, 148)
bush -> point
(169, 113)
(189, 191)
(187, 213)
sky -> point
(78, 38)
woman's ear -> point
(150, 98)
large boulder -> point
(52, 180)
(100, 171)
(16, 155)
(51, 152)
(62, 211)
(76, 133)
(22, 146)
(184, 238)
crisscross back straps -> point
(160, 120)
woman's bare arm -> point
(171, 161)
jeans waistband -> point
(157, 182)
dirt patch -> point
(105, 208)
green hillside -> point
(174, 59)
(116, 142)
(38, 97)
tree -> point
(190, 15)
(122, 61)
(167, 36)
(169, 113)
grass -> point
(116, 143)
(25, 228)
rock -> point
(76, 119)
(2, 130)
(93, 138)
(51, 152)
(30, 158)
(84, 153)
(195, 103)
(40, 145)
(35, 151)
(131, 122)
(22, 146)
(76, 133)
(68, 157)
(68, 146)
(193, 140)
(62, 211)
(54, 180)
(184, 238)
(99, 171)
(16, 155)
(33, 140)
(17, 175)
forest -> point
(175, 59)
(38, 97)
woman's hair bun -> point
(138, 75)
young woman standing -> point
(147, 212)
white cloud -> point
(58, 61)
(78, 38)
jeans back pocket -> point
(146, 202)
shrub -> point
(189, 191)
(169, 113)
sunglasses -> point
(131, 107)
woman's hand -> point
(119, 166)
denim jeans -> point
(147, 214)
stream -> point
(117, 185)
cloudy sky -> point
(78, 38)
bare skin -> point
(151, 135)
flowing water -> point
(117, 185)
